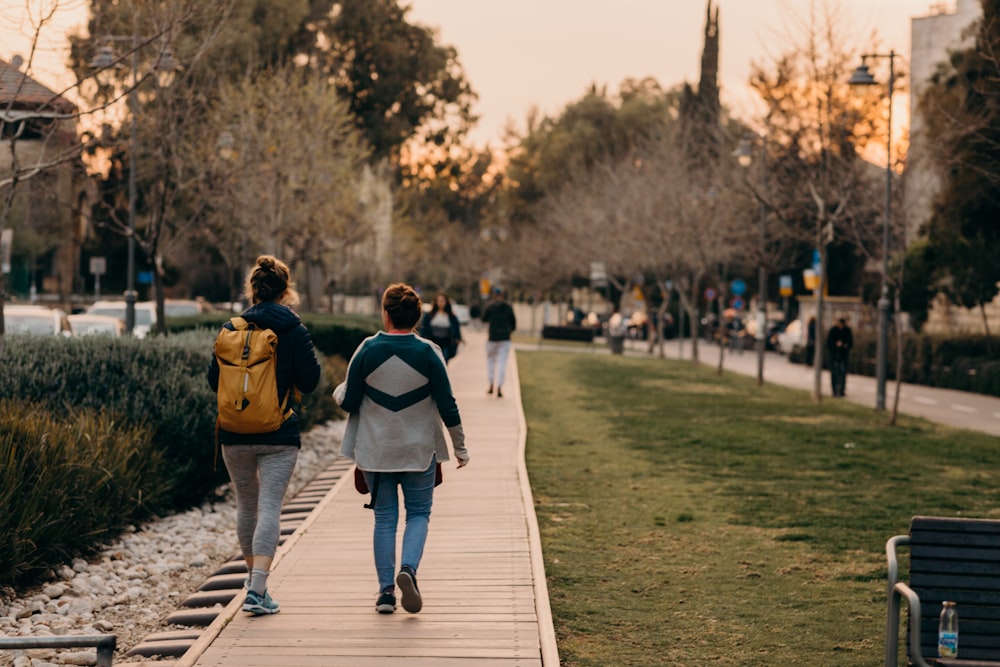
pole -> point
(882, 346)
(762, 272)
(130, 295)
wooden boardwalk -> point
(481, 578)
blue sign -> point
(817, 264)
(710, 293)
(144, 278)
(738, 303)
(738, 287)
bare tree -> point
(821, 191)
(281, 168)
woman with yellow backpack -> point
(261, 360)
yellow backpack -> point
(248, 385)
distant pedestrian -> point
(811, 341)
(261, 464)
(839, 342)
(398, 394)
(502, 323)
(441, 326)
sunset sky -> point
(520, 54)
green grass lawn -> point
(691, 519)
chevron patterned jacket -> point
(399, 398)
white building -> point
(932, 37)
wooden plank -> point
(476, 577)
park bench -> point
(553, 332)
(950, 559)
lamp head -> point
(862, 77)
(103, 63)
(744, 153)
(167, 68)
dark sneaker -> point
(490, 390)
(259, 605)
(406, 582)
(499, 393)
(386, 603)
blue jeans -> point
(418, 495)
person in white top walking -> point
(398, 395)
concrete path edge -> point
(543, 611)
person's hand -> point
(462, 460)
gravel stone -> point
(133, 584)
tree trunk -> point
(721, 328)
(819, 344)
(161, 319)
(986, 321)
(899, 363)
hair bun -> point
(266, 262)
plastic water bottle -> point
(948, 631)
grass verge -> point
(692, 519)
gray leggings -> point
(260, 475)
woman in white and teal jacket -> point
(399, 399)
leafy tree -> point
(962, 111)
(401, 84)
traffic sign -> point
(738, 287)
(785, 285)
(710, 294)
(738, 303)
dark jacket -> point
(449, 344)
(839, 341)
(296, 366)
(501, 318)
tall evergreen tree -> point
(700, 110)
(962, 111)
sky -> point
(544, 54)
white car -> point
(145, 314)
(35, 320)
(182, 307)
(790, 337)
(86, 324)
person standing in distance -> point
(398, 395)
(441, 326)
(502, 323)
(839, 342)
(261, 465)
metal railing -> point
(105, 644)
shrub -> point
(331, 334)
(67, 482)
(156, 383)
(965, 363)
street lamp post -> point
(166, 68)
(862, 77)
(744, 155)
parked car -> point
(35, 320)
(791, 337)
(183, 307)
(86, 324)
(145, 314)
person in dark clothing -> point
(839, 342)
(441, 326)
(260, 465)
(811, 341)
(502, 323)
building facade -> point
(41, 164)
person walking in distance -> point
(839, 342)
(502, 323)
(441, 326)
(260, 465)
(398, 395)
